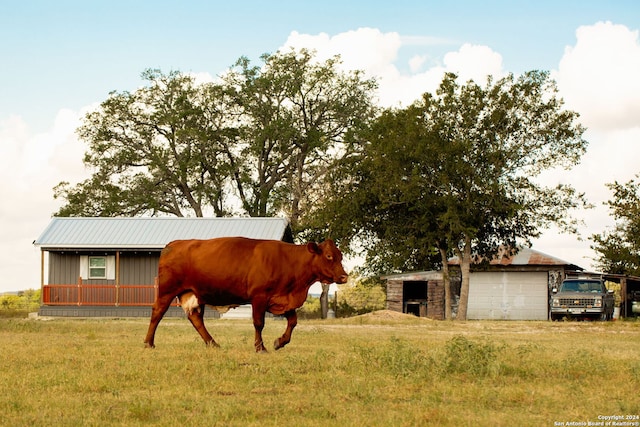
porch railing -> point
(100, 295)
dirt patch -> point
(390, 315)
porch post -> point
(117, 278)
(41, 277)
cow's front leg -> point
(160, 307)
(292, 321)
(258, 311)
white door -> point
(508, 295)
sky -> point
(60, 59)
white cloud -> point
(473, 62)
(31, 166)
(376, 53)
(416, 62)
(364, 49)
(599, 76)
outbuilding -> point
(108, 266)
(513, 287)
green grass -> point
(364, 371)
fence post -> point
(79, 290)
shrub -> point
(358, 298)
(463, 356)
(310, 309)
(398, 357)
(15, 305)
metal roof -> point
(152, 233)
(525, 257)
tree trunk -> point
(324, 301)
(465, 267)
(446, 280)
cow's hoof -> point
(212, 344)
(147, 345)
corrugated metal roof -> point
(152, 233)
(525, 256)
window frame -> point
(102, 267)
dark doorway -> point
(414, 298)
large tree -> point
(455, 173)
(255, 142)
(159, 149)
(297, 115)
(619, 247)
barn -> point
(508, 288)
(108, 266)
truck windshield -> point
(581, 286)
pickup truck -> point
(582, 298)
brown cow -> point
(271, 275)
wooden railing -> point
(99, 295)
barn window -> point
(97, 267)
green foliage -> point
(398, 357)
(20, 304)
(464, 356)
(619, 246)
(262, 134)
(359, 298)
(456, 173)
(310, 309)
(458, 167)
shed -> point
(420, 293)
(515, 287)
(508, 287)
(108, 266)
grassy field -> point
(373, 370)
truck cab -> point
(584, 297)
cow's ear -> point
(314, 248)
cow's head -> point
(328, 262)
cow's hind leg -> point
(196, 317)
(292, 321)
(160, 307)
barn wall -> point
(508, 295)
(435, 296)
(435, 299)
(135, 269)
(394, 295)
(138, 269)
(64, 268)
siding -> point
(138, 269)
(508, 296)
(64, 268)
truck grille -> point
(577, 302)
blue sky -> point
(60, 58)
(71, 53)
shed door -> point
(508, 295)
